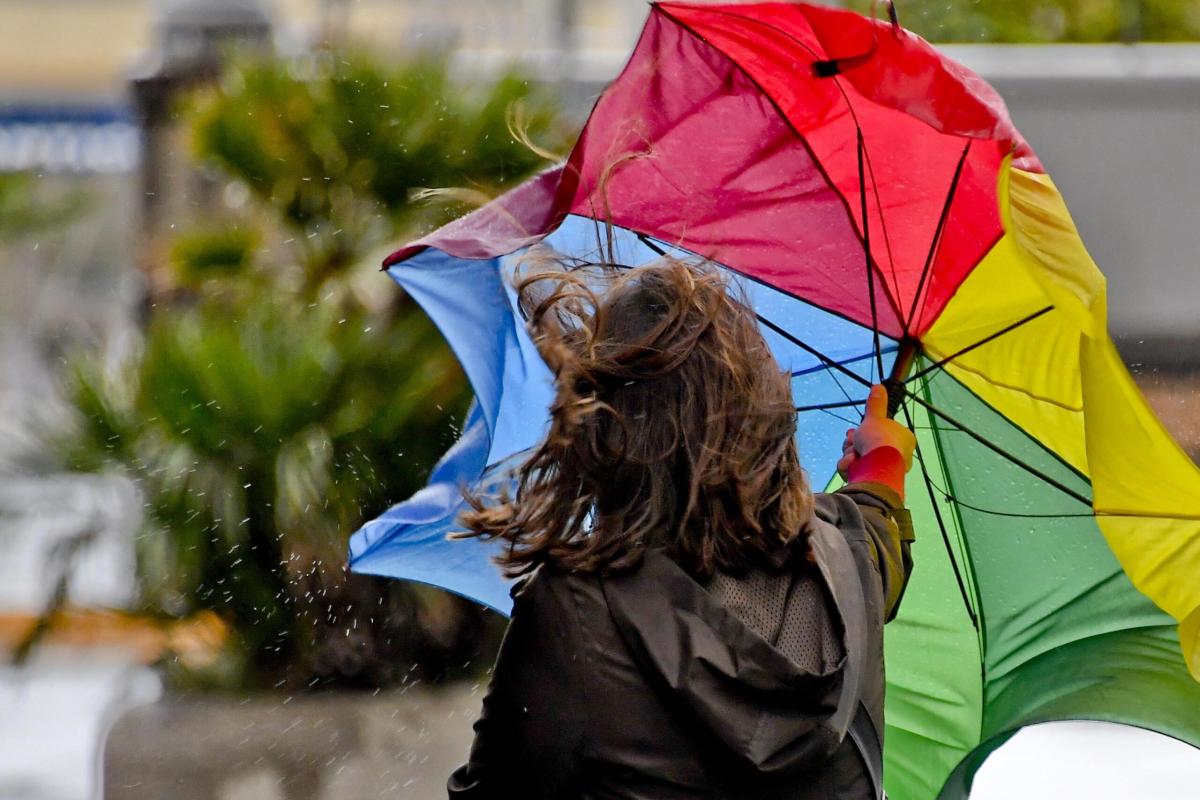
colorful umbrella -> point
(888, 221)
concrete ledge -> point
(338, 745)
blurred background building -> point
(1114, 121)
(98, 174)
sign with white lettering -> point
(68, 140)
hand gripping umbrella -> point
(888, 222)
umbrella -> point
(888, 222)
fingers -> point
(845, 462)
(877, 402)
(878, 430)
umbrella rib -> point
(800, 137)
(958, 501)
(866, 230)
(941, 523)
(829, 362)
(992, 337)
(935, 243)
(887, 239)
(1014, 514)
(824, 359)
(1000, 451)
(649, 242)
(851, 422)
(968, 565)
(834, 365)
(830, 406)
(851, 360)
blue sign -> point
(64, 139)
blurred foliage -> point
(22, 215)
(285, 392)
(212, 253)
(27, 208)
(1041, 21)
(260, 436)
(345, 156)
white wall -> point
(1118, 128)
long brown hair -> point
(672, 427)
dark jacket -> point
(646, 684)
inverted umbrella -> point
(888, 222)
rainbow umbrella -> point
(888, 221)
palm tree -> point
(282, 394)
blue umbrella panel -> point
(473, 303)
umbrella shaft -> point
(906, 356)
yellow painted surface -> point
(71, 47)
(81, 47)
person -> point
(692, 621)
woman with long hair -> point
(692, 621)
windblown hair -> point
(672, 428)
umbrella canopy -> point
(884, 216)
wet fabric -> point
(645, 684)
(872, 199)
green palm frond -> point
(266, 416)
